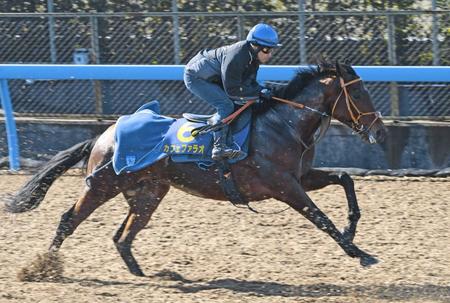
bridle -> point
(353, 110)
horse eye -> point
(356, 95)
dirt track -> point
(203, 251)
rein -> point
(300, 106)
(352, 109)
(233, 116)
(351, 106)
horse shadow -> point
(89, 282)
(438, 293)
(396, 292)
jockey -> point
(226, 76)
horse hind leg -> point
(48, 267)
(317, 179)
(143, 201)
(101, 189)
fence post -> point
(240, 25)
(393, 88)
(11, 131)
(51, 32)
(95, 48)
(240, 21)
(301, 24)
(176, 32)
(95, 53)
(435, 33)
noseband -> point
(353, 110)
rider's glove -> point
(265, 95)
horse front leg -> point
(317, 179)
(287, 189)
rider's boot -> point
(220, 149)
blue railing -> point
(175, 72)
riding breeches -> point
(212, 93)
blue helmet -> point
(264, 35)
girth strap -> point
(228, 185)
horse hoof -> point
(368, 261)
(137, 272)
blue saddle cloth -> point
(145, 137)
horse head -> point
(352, 105)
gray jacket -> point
(234, 67)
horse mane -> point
(303, 78)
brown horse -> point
(279, 164)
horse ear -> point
(321, 63)
(347, 67)
(343, 70)
(351, 70)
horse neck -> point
(305, 122)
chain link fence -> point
(365, 38)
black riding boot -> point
(220, 149)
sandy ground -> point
(198, 250)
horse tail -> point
(33, 192)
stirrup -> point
(226, 153)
